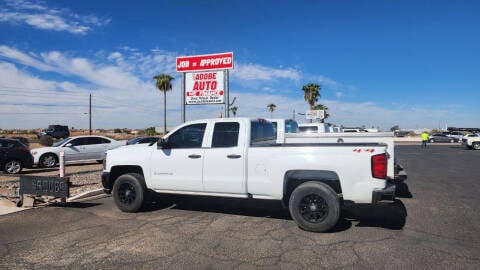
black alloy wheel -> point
(126, 194)
(129, 192)
(313, 208)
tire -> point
(476, 145)
(314, 206)
(432, 140)
(129, 192)
(452, 140)
(12, 167)
(48, 161)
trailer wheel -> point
(314, 206)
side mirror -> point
(68, 145)
(163, 144)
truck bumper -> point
(384, 194)
(107, 186)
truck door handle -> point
(234, 156)
(194, 156)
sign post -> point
(62, 163)
(205, 80)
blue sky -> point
(380, 63)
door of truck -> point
(178, 166)
(224, 163)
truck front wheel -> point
(314, 206)
(129, 192)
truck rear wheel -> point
(314, 206)
(129, 192)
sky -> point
(415, 64)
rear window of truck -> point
(262, 132)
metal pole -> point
(293, 114)
(62, 163)
(90, 115)
(182, 88)
(227, 95)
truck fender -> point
(116, 171)
(294, 178)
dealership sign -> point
(315, 114)
(205, 62)
(204, 87)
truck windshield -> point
(263, 132)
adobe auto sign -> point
(204, 87)
(205, 62)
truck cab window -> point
(190, 136)
(225, 134)
(262, 132)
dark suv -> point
(55, 131)
(14, 156)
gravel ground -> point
(84, 177)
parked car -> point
(14, 156)
(472, 141)
(439, 137)
(55, 131)
(471, 135)
(81, 148)
(141, 140)
(456, 134)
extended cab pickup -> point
(239, 157)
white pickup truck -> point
(239, 157)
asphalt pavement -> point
(434, 224)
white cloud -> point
(255, 72)
(40, 16)
(325, 81)
(23, 58)
(339, 94)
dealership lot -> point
(433, 224)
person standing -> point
(424, 139)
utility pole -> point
(90, 114)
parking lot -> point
(434, 224)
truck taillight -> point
(379, 166)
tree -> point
(311, 93)
(324, 108)
(150, 131)
(164, 84)
(271, 107)
(234, 109)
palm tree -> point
(164, 84)
(324, 108)
(271, 107)
(311, 93)
(234, 109)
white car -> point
(80, 148)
